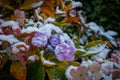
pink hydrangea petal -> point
(21, 59)
(17, 31)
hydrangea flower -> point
(10, 27)
(54, 40)
(20, 47)
(19, 50)
(95, 67)
(64, 52)
(80, 73)
(39, 39)
(64, 38)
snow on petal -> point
(64, 38)
(20, 46)
(48, 28)
(10, 38)
(10, 23)
(29, 30)
(76, 4)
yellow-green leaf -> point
(94, 43)
(59, 24)
(18, 70)
(28, 4)
(57, 72)
(78, 54)
(74, 63)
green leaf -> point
(94, 43)
(35, 71)
(59, 24)
(27, 4)
(57, 72)
(78, 54)
(5, 72)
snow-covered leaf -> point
(94, 43)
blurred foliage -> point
(103, 12)
(5, 72)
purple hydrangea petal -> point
(39, 39)
(64, 52)
(60, 57)
(67, 42)
(54, 40)
(37, 34)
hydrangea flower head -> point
(64, 52)
(39, 39)
(54, 40)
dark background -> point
(104, 12)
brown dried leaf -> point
(67, 7)
(6, 4)
(18, 70)
(12, 17)
(71, 20)
(60, 3)
(3, 60)
(50, 3)
(49, 11)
